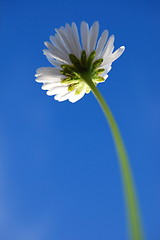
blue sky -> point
(59, 174)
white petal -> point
(55, 49)
(77, 41)
(57, 55)
(56, 90)
(114, 56)
(62, 33)
(62, 97)
(107, 69)
(101, 43)
(93, 36)
(108, 48)
(54, 41)
(47, 80)
(54, 62)
(70, 36)
(85, 36)
(48, 71)
(104, 74)
(49, 76)
(51, 47)
(48, 86)
(58, 42)
(74, 98)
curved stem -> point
(129, 190)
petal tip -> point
(122, 48)
(46, 43)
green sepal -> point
(83, 58)
(99, 71)
(99, 79)
(79, 89)
(90, 59)
(69, 73)
(88, 89)
(73, 86)
(75, 61)
(69, 81)
(97, 63)
(66, 66)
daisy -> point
(79, 64)
(75, 60)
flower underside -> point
(81, 67)
(79, 59)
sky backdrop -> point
(59, 173)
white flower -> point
(73, 59)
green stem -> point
(129, 190)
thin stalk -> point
(128, 185)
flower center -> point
(85, 65)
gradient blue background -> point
(59, 175)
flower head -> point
(73, 59)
